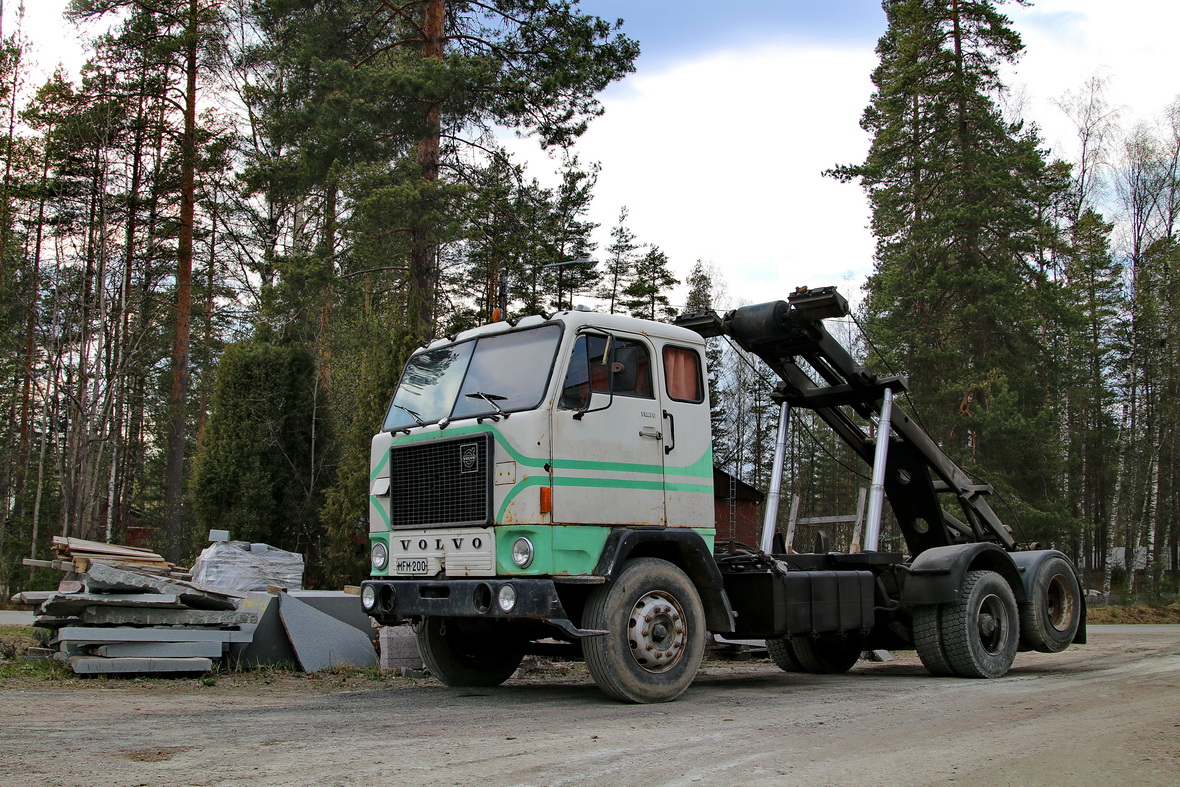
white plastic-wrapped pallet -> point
(240, 566)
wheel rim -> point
(1059, 602)
(656, 631)
(992, 624)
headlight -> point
(506, 598)
(522, 552)
(379, 555)
(368, 597)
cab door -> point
(608, 449)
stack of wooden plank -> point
(77, 554)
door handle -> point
(652, 432)
(671, 430)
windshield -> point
(494, 374)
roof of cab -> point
(577, 319)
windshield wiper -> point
(412, 414)
(490, 399)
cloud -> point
(1068, 41)
(719, 156)
(721, 159)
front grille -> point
(441, 482)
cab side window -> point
(623, 367)
(682, 371)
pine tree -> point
(646, 295)
(187, 31)
(702, 286)
(19, 296)
(960, 200)
(620, 263)
(426, 83)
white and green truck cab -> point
(545, 485)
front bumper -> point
(397, 600)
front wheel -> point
(463, 652)
(655, 638)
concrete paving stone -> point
(343, 606)
(212, 650)
(399, 648)
(268, 644)
(321, 641)
(118, 616)
(30, 598)
(106, 578)
(96, 665)
(96, 635)
(73, 603)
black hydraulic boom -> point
(816, 372)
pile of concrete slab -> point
(123, 621)
(112, 620)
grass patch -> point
(19, 671)
(15, 642)
(1136, 614)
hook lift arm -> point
(816, 372)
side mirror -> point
(611, 352)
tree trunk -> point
(423, 243)
(1115, 505)
(26, 410)
(210, 304)
(174, 480)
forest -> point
(220, 242)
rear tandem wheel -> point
(974, 637)
(1050, 619)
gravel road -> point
(1107, 713)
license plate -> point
(412, 566)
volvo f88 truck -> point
(544, 485)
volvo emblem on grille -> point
(468, 457)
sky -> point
(717, 144)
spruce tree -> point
(262, 466)
(1097, 305)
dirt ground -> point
(1107, 713)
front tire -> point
(463, 652)
(981, 631)
(656, 633)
